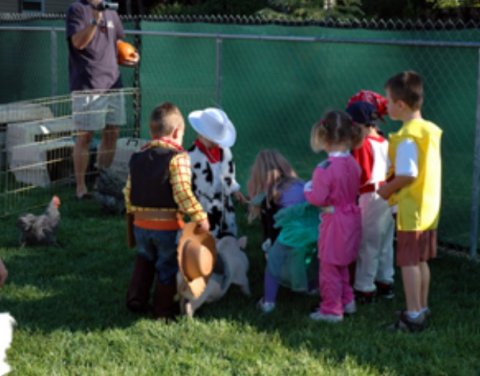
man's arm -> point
(82, 38)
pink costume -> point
(334, 187)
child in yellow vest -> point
(415, 186)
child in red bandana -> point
(213, 169)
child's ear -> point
(175, 133)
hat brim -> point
(197, 286)
(228, 139)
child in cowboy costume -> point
(213, 169)
(157, 194)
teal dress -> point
(292, 259)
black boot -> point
(164, 305)
(138, 293)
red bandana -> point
(213, 154)
(162, 141)
(373, 98)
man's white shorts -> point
(92, 110)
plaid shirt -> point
(180, 180)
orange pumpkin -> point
(125, 51)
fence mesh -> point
(275, 90)
(36, 145)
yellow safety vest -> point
(419, 202)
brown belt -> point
(371, 187)
(156, 215)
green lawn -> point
(69, 305)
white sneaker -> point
(350, 308)
(265, 307)
(319, 316)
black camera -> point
(106, 4)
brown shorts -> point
(414, 247)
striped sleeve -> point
(181, 182)
(126, 194)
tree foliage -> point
(314, 9)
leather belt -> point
(156, 215)
(367, 188)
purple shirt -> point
(94, 67)
(292, 194)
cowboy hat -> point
(214, 124)
(196, 254)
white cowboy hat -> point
(214, 124)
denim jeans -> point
(160, 247)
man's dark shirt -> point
(94, 67)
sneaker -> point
(364, 297)
(406, 324)
(426, 312)
(350, 308)
(319, 316)
(265, 307)
(385, 290)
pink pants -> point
(335, 289)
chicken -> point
(40, 229)
(109, 193)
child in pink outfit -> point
(334, 188)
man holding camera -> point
(93, 29)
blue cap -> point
(363, 112)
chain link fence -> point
(276, 80)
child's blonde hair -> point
(270, 172)
(164, 119)
(336, 127)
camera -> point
(106, 4)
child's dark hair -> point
(336, 127)
(162, 123)
(407, 87)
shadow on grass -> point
(81, 287)
(363, 337)
(447, 347)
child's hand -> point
(3, 273)
(240, 197)
(384, 192)
(204, 226)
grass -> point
(69, 305)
